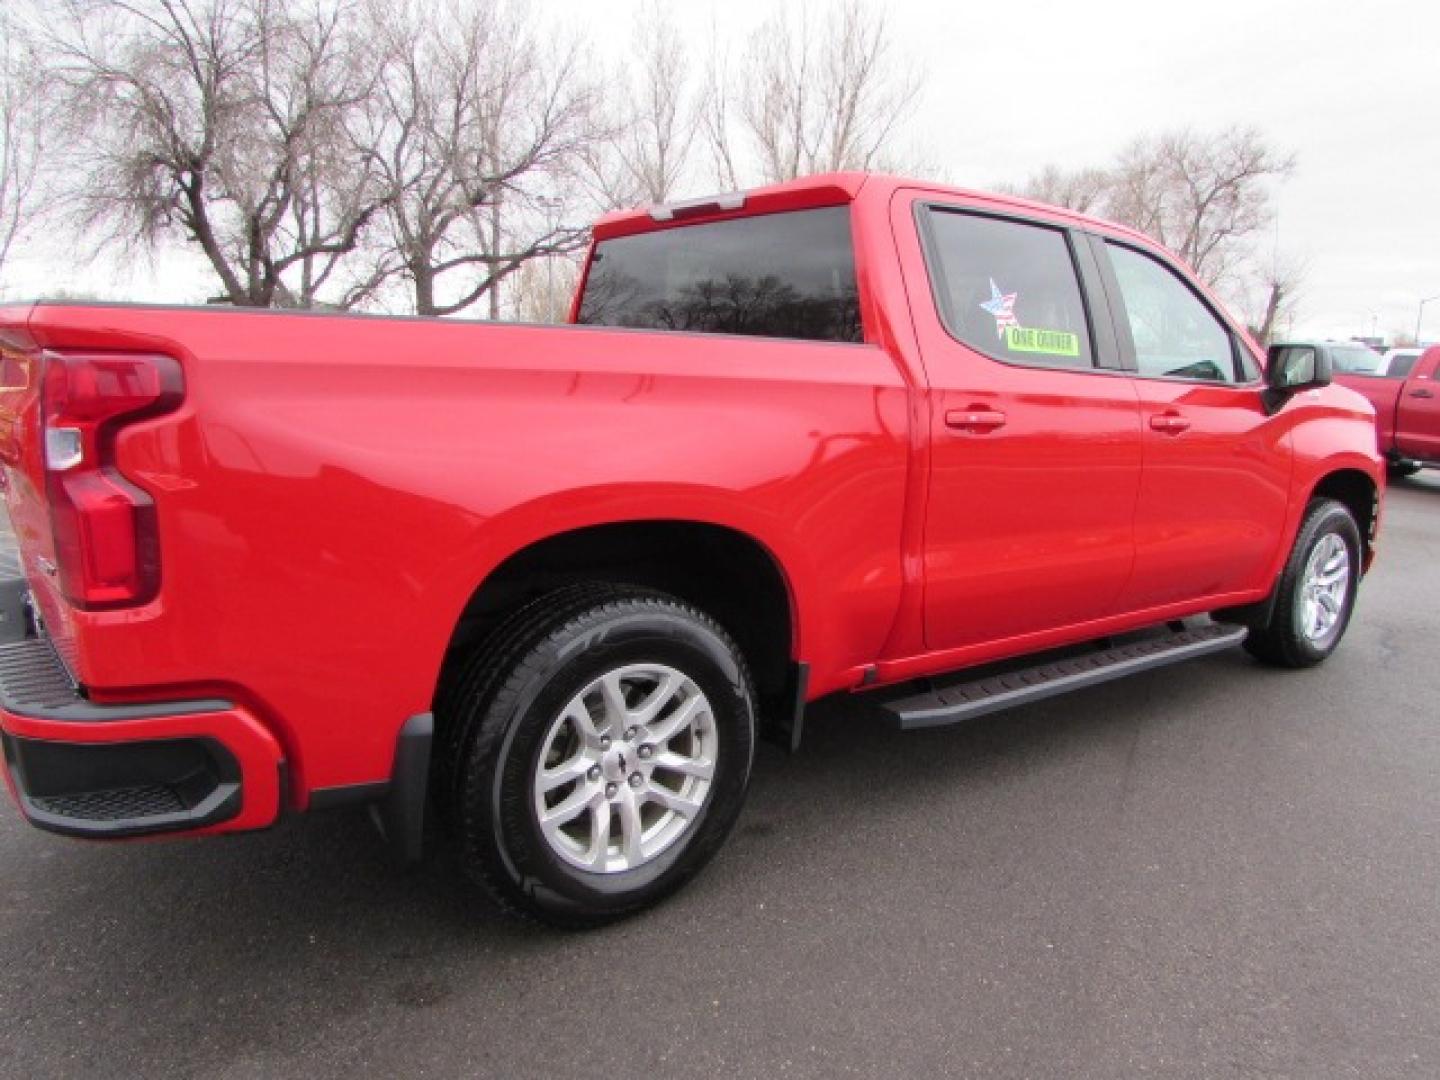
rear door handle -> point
(1422, 392)
(1169, 423)
(977, 418)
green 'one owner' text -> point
(1049, 342)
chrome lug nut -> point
(610, 790)
(604, 742)
(636, 779)
(647, 751)
(593, 774)
(631, 733)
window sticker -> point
(1045, 342)
(1002, 306)
(1019, 338)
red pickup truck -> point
(550, 583)
(1407, 412)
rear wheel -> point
(1316, 593)
(600, 750)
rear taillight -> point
(107, 543)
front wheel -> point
(1316, 593)
(601, 748)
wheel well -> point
(725, 573)
(1359, 494)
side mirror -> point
(1290, 369)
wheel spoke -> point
(628, 811)
(564, 773)
(599, 849)
(699, 768)
(670, 800)
(617, 713)
(579, 715)
(664, 730)
(669, 683)
(568, 808)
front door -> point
(1035, 444)
(1215, 483)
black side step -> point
(961, 701)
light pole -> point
(1421, 314)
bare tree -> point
(475, 127)
(810, 99)
(1202, 196)
(21, 129)
(544, 289)
(226, 118)
(641, 155)
(1279, 281)
(1083, 190)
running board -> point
(962, 701)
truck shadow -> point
(1424, 480)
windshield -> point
(1355, 359)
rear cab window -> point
(1008, 288)
(784, 275)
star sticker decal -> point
(1002, 306)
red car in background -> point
(1407, 412)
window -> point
(1008, 289)
(1401, 364)
(1354, 359)
(786, 275)
(1176, 336)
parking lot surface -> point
(1213, 870)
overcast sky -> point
(1353, 89)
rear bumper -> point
(110, 771)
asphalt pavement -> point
(1215, 870)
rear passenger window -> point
(1008, 288)
(1176, 336)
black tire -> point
(497, 711)
(1400, 469)
(1283, 642)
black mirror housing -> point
(1292, 368)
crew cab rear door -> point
(1214, 488)
(1035, 437)
(1417, 418)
